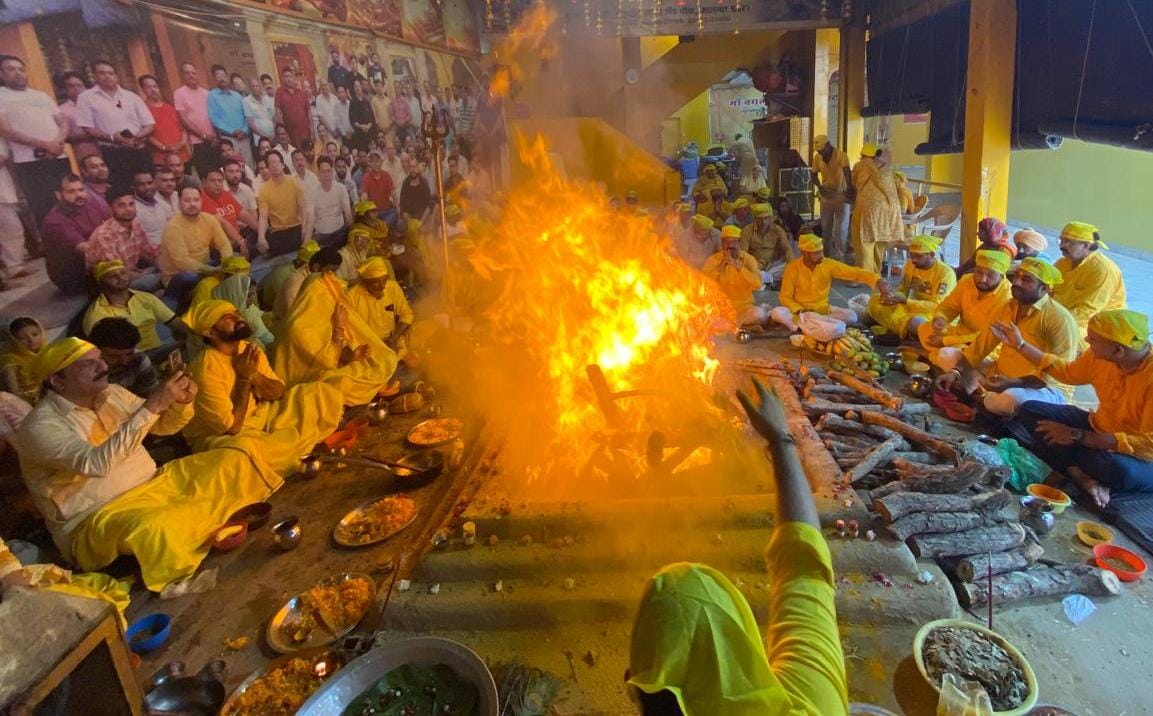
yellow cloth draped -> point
(203, 289)
(276, 433)
(1095, 285)
(20, 360)
(166, 522)
(805, 289)
(382, 314)
(876, 218)
(270, 286)
(96, 585)
(925, 289)
(306, 352)
(972, 309)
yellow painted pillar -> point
(988, 115)
(20, 39)
(851, 134)
(825, 46)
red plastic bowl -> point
(1111, 551)
(231, 542)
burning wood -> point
(873, 393)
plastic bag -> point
(962, 698)
(860, 304)
(1027, 467)
(821, 328)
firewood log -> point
(894, 507)
(817, 406)
(923, 458)
(872, 459)
(995, 538)
(937, 483)
(873, 393)
(913, 435)
(1040, 581)
(837, 424)
(976, 567)
(924, 523)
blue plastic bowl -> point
(148, 633)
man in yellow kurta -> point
(876, 221)
(925, 282)
(116, 300)
(709, 180)
(324, 339)
(381, 302)
(768, 243)
(243, 403)
(738, 276)
(831, 177)
(807, 280)
(720, 209)
(98, 489)
(1091, 282)
(1004, 379)
(1109, 450)
(271, 284)
(978, 296)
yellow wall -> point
(694, 118)
(653, 48)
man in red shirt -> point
(216, 199)
(169, 135)
(293, 108)
(377, 185)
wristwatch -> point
(1077, 435)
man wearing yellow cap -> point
(367, 237)
(968, 309)
(1108, 451)
(738, 276)
(322, 338)
(231, 266)
(696, 648)
(831, 178)
(1091, 282)
(742, 214)
(271, 284)
(242, 403)
(876, 221)
(381, 302)
(117, 300)
(806, 282)
(768, 243)
(98, 489)
(1002, 380)
(709, 180)
(925, 282)
(719, 208)
(702, 242)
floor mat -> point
(1133, 513)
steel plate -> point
(320, 636)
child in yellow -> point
(25, 339)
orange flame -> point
(525, 46)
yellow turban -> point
(811, 242)
(925, 244)
(1045, 272)
(764, 193)
(870, 150)
(364, 206)
(702, 222)
(710, 169)
(452, 210)
(103, 268)
(57, 356)
(820, 141)
(631, 194)
(742, 203)
(1127, 328)
(1080, 231)
(684, 208)
(235, 265)
(993, 259)
(762, 211)
(375, 267)
(1031, 238)
(307, 250)
(729, 231)
(899, 175)
(204, 315)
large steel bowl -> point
(360, 674)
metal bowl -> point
(360, 674)
(287, 533)
(920, 385)
(893, 358)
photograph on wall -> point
(380, 16)
(460, 30)
(299, 57)
(402, 69)
(351, 58)
(422, 22)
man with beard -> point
(925, 282)
(117, 299)
(1030, 243)
(806, 282)
(187, 245)
(737, 274)
(968, 309)
(381, 302)
(94, 171)
(768, 243)
(99, 491)
(122, 238)
(1006, 381)
(242, 403)
(1090, 281)
(66, 226)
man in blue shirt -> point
(227, 114)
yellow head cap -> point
(235, 265)
(820, 141)
(993, 259)
(810, 242)
(762, 211)
(57, 356)
(729, 231)
(306, 251)
(684, 208)
(764, 194)
(364, 206)
(452, 211)
(870, 150)
(1080, 231)
(1127, 328)
(1045, 272)
(710, 169)
(375, 267)
(742, 203)
(702, 222)
(203, 316)
(103, 268)
(924, 244)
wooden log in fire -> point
(873, 393)
(1040, 581)
(893, 507)
(994, 538)
(979, 566)
(872, 459)
(912, 434)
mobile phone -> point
(172, 364)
